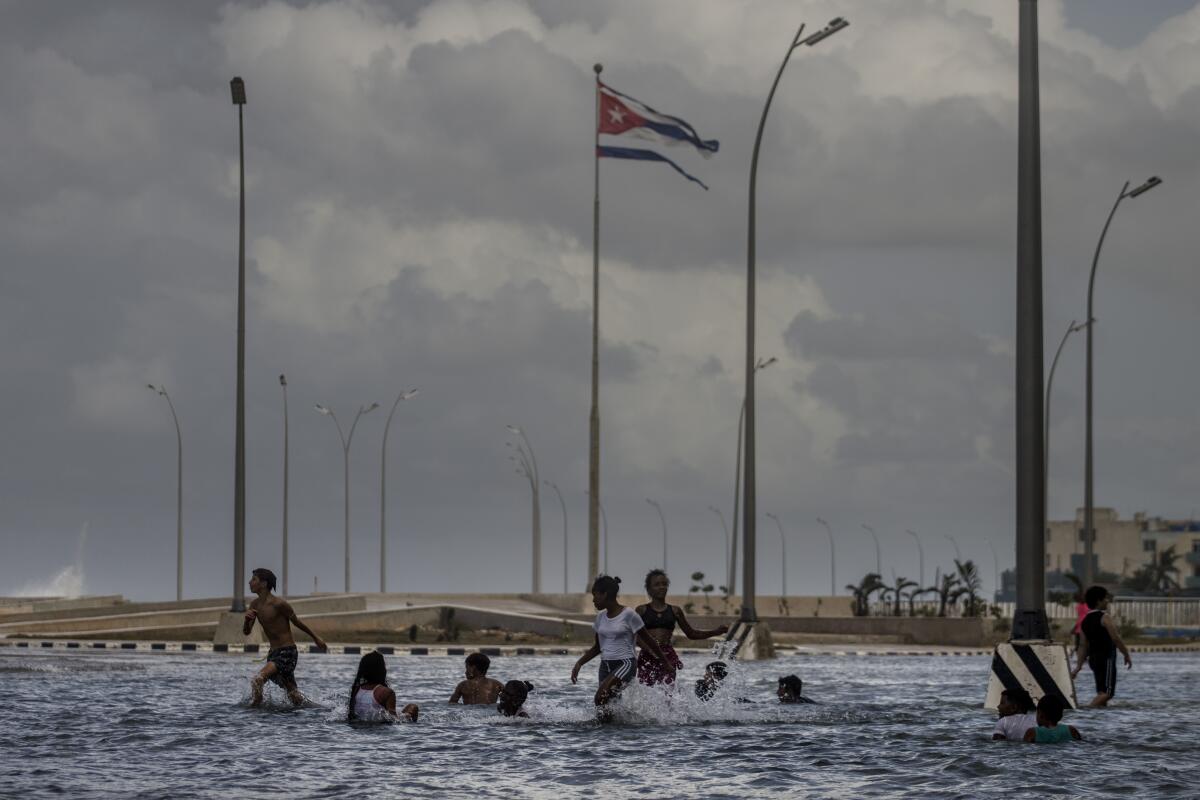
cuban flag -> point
(621, 115)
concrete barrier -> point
(121, 625)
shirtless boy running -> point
(478, 689)
(276, 617)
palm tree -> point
(1163, 568)
(896, 593)
(948, 592)
(914, 594)
(869, 584)
(968, 575)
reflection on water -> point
(118, 725)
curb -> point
(446, 650)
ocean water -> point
(178, 725)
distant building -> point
(1120, 548)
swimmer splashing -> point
(618, 629)
(276, 617)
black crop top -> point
(664, 619)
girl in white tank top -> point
(367, 701)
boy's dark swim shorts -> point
(284, 659)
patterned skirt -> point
(650, 670)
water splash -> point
(69, 582)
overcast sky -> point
(419, 181)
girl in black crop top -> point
(661, 619)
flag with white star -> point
(622, 115)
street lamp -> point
(761, 364)
(920, 555)
(162, 390)
(1089, 531)
(783, 553)
(562, 503)
(411, 393)
(1072, 328)
(995, 571)
(663, 520)
(878, 552)
(529, 465)
(749, 505)
(957, 552)
(283, 386)
(237, 89)
(725, 528)
(346, 441)
(832, 567)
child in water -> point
(371, 699)
(276, 617)
(478, 689)
(1016, 716)
(790, 688)
(707, 686)
(512, 697)
(1050, 729)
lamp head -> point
(283, 380)
(411, 393)
(237, 88)
(833, 27)
(1147, 186)
(513, 429)
(371, 407)
(322, 409)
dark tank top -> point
(664, 619)
(1100, 644)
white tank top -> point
(365, 704)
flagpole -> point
(594, 419)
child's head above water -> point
(512, 696)
(790, 688)
(477, 665)
(1015, 701)
(1049, 711)
(717, 670)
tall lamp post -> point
(663, 520)
(878, 552)
(957, 552)
(1072, 328)
(528, 463)
(284, 565)
(346, 441)
(761, 364)
(604, 521)
(411, 393)
(782, 552)
(562, 503)
(920, 555)
(749, 504)
(162, 390)
(832, 565)
(1089, 531)
(724, 528)
(237, 89)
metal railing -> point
(1153, 612)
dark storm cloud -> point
(419, 214)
